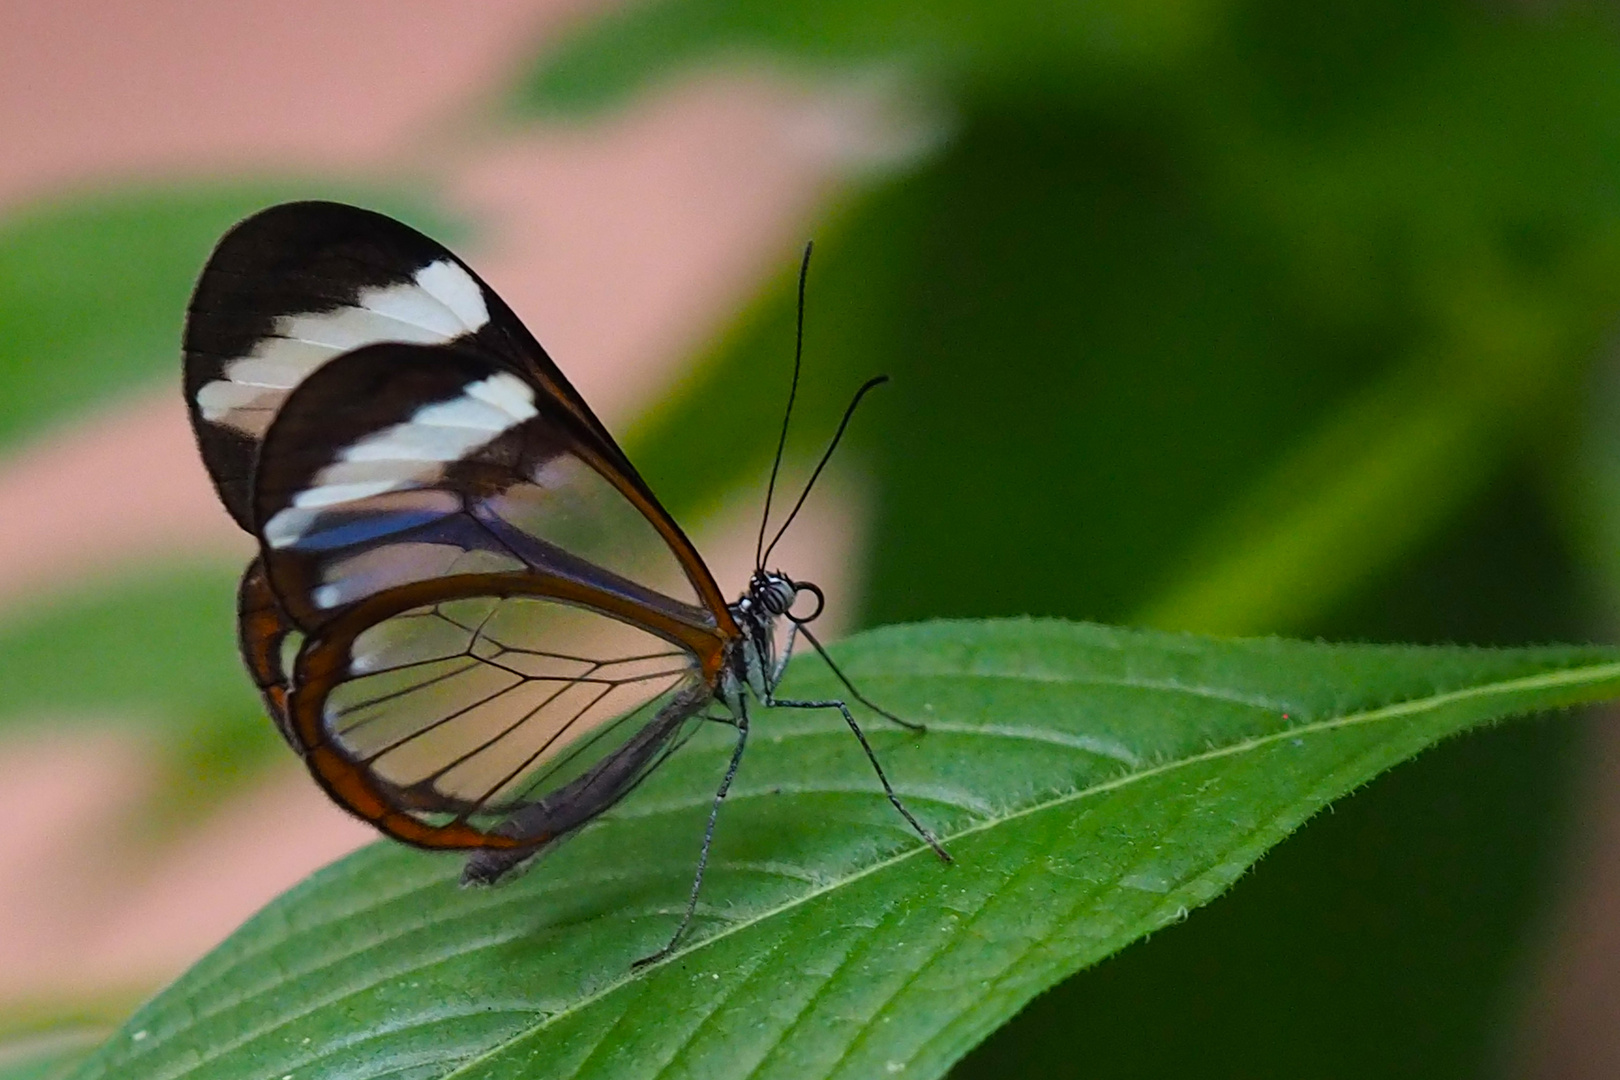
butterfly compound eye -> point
(773, 592)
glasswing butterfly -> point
(469, 615)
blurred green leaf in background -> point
(1238, 316)
(93, 288)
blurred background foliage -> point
(1244, 316)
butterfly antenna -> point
(826, 457)
(793, 391)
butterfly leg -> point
(741, 723)
(787, 654)
(909, 725)
(888, 789)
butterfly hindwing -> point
(263, 633)
(486, 720)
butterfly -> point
(469, 615)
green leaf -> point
(155, 647)
(93, 290)
(47, 1056)
(1093, 784)
(1381, 475)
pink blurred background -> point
(683, 202)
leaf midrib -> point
(1060, 678)
(1564, 677)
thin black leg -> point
(909, 725)
(741, 723)
(888, 789)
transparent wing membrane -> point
(471, 472)
(567, 503)
(477, 707)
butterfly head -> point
(773, 594)
(754, 662)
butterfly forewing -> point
(290, 288)
(399, 464)
(482, 601)
(295, 285)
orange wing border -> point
(320, 670)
